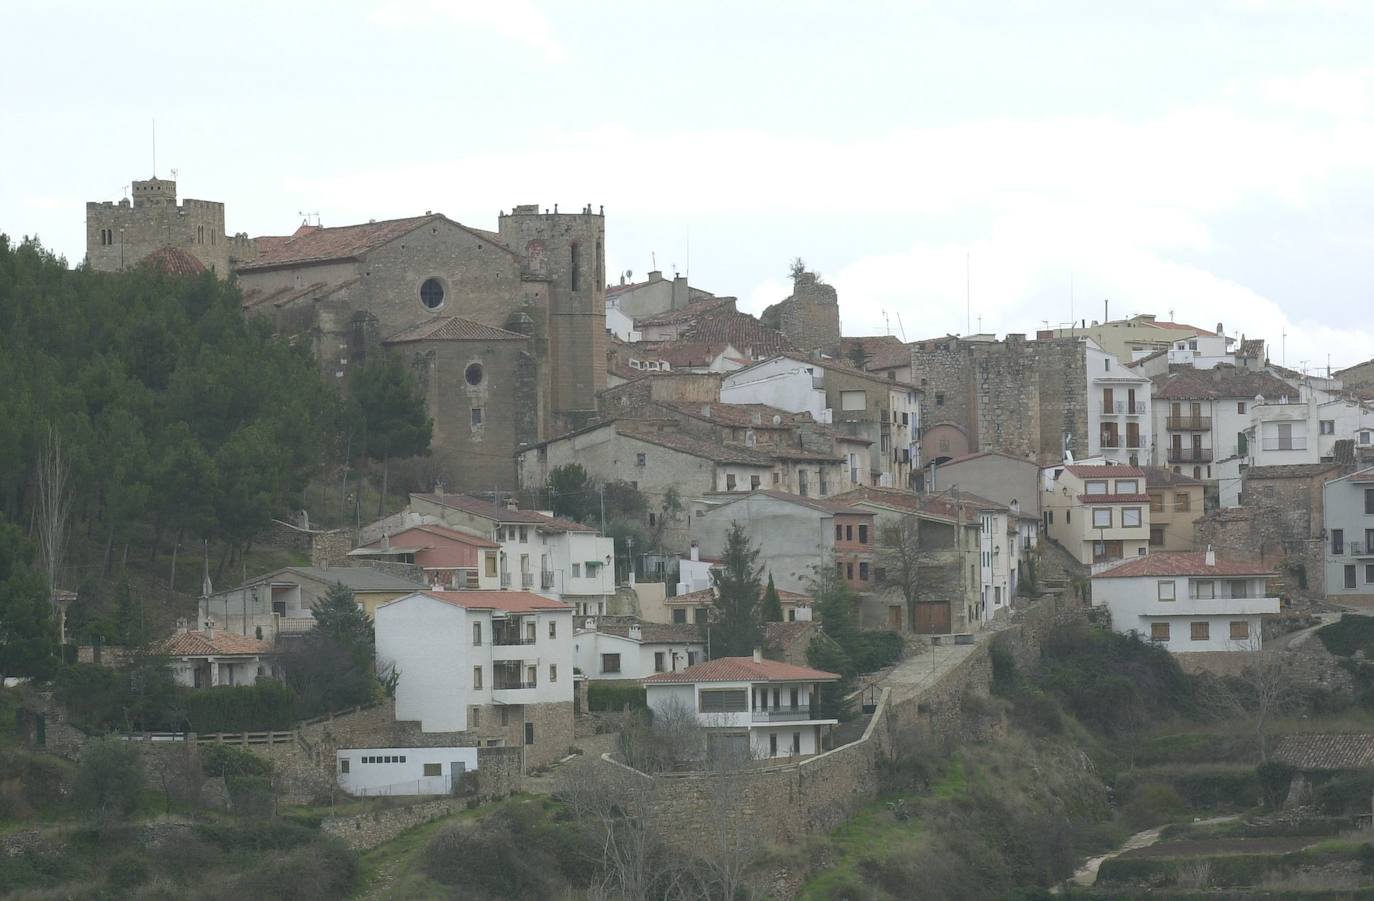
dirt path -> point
(593, 746)
(1086, 875)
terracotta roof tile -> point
(1106, 472)
(1160, 477)
(1218, 382)
(453, 328)
(1181, 564)
(313, 244)
(498, 513)
(687, 313)
(1326, 751)
(745, 333)
(783, 635)
(173, 261)
(742, 669)
(200, 644)
(655, 633)
(698, 447)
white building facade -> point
(1348, 508)
(605, 651)
(1119, 425)
(369, 772)
(1187, 602)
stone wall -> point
(810, 317)
(1259, 534)
(60, 737)
(331, 548)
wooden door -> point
(932, 618)
(894, 618)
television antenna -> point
(901, 328)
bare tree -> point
(1265, 686)
(620, 807)
(911, 564)
(54, 508)
(672, 740)
(730, 849)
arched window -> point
(575, 252)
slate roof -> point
(655, 633)
(507, 601)
(498, 513)
(742, 669)
(1182, 564)
(1160, 477)
(173, 261)
(200, 644)
(454, 328)
(1106, 472)
(1218, 382)
(697, 447)
(1289, 471)
(1326, 751)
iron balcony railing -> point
(546, 579)
(1188, 423)
(785, 714)
(512, 686)
(1190, 455)
(505, 580)
(527, 580)
(1134, 409)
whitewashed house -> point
(366, 772)
(208, 657)
(618, 650)
(1348, 511)
(497, 665)
(749, 706)
(1187, 602)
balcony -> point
(527, 580)
(505, 580)
(1190, 455)
(512, 632)
(1295, 443)
(1131, 409)
(546, 579)
(1188, 423)
(1361, 550)
(1133, 442)
(502, 685)
(785, 714)
(1110, 442)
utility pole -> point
(601, 490)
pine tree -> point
(737, 631)
(28, 633)
(772, 604)
(339, 619)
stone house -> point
(205, 658)
(750, 707)
(1348, 510)
(609, 651)
(794, 534)
(280, 601)
(1187, 602)
(528, 351)
(654, 295)
(999, 477)
(1176, 502)
(1099, 514)
(1291, 504)
(451, 560)
(496, 666)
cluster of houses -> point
(1185, 478)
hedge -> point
(615, 696)
(227, 760)
(266, 706)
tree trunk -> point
(172, 579)
(157, 536)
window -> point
(723, 700)
(531, 675)
(491, 565)
(863, 534)
(699, 616)
(477, 634)
(553, 629)
(772, 744)
(476, 415)
(553, 672)
(939, 399)
(524, 533)
(343, 765)
(1204, 589)
(1337, 542)
(1200, 631)
(659, 662)
(529, 733)
(1183, 502)
(754, 483)
(1327, 427)
(776, 477)
(641, 459)
(434, 769)
(1096, 487)
(473, 374)
(839, 532)
(575, 262)
(1240, 630)
(1369, 500)
(1157, 536)
(577, 570)
(1156, 503)
(476, 677)
(730, 481)
(849, 571)
(1350, 576)
(432, 293)
(863, 571)
(680, 616)
(1127, 486)
(610, 663)
(1240, 406)
(1165, 589)
(853, 400)
(1102, 517)
(1366, 437)
(1159, 631)
(505, 715)
(1369, 574)
(1130, 517)
(848, 533)
(474, 717)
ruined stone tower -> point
(119, 235)
(810, 318)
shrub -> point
(110, 779)
(1274, 779)
(227, 760)
(268, 705)
(1152, 803)
(1349, 634)
(185, 856)
(250, 795)
(321, 870)
(614, 696)
(272, 835)
(486, 859)
(127, 871)
(1344, 793)
(872, 651)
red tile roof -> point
(1182, 564)
(1160, 477)
(1106, 472)
(508, 601)
(173, 261)
(687, 313)
(698, 447)
(742, 669)
(828, 505)
(745, 333)
(655, 633)
(313, 244)
(1218, 382)
(200, 644)
(1326, 751)
(453, 328)
(701, 596)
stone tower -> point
(810, 318)
(567, 250)
(120, 235)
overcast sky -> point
(1214, 159)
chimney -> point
(758, 655)
(695, 553)
(1211, 558)
(635, 632)
(181, 626)
(210, 629)
(1220, 332)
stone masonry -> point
(810, 317)
(119, 235)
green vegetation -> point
(110, 779)
(1349, 634)
(738, 590)
(772, 604)
(28, 635)
(615, 696)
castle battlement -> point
(121, 233)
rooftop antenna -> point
(154, 148)
(968, 315)
(887, 322)
(654, 257)
(1283, 347)
(901, 327)
(1071, 319)
(174, 174)
(1171, 314)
